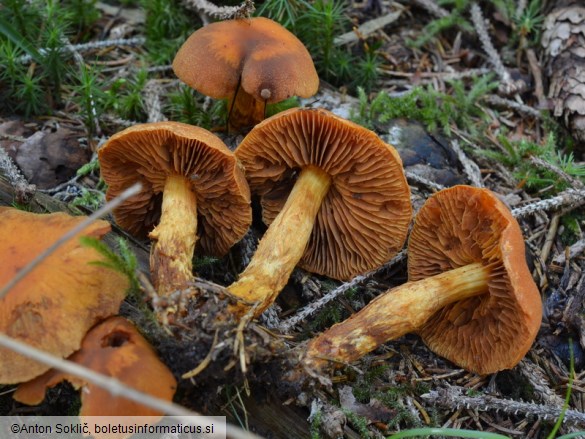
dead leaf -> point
(49, 158)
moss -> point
(435, 110)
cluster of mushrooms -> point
(336, 202)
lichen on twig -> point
(22, 188)
(470, 168)
(569, 199)
(454, 398)
(312, 308)
(244, 10)
(128, 42)
(508, 85)
(152, 93)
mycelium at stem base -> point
(174, 237)
(283, 244)
(393, 314)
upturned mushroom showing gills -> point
(57, 302)
(192, 185)
(334, 194)
(250, 62)
(470, 294)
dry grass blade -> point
(106, 208)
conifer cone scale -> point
(563, 41)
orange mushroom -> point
(250, 62)
(116, 349)
(54, 305)
(192, 185)
(470, 296)
(348, 210)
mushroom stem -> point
(395, 313)
(244, 111)
(174, 237)
(283, 244)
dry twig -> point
(470, 168)
(152, 93)
(129, 42)
(221, 12)
(454, 398)
(22, 188)
(537, 379)
(507, 103)
(537, 75)
(367, 28)
(424, 181)
(432, 8)
(574, 182)
(508, 86)
(575, 250)
(569, 199)
(550, 237)
(311, 308)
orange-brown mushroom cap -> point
(364, 217)
(464, 225)
(268, 61)
(54, 305)
(116, 349)
(149, 153)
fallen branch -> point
(574, 182)
(432, 8)
(152, 93)
(537, 379)
(507, 103)
(575, 250)
(424, 181)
